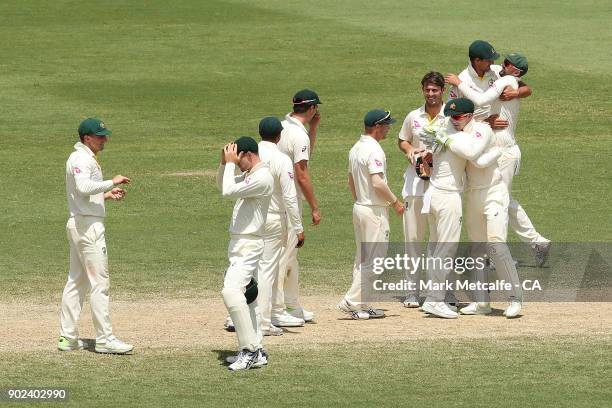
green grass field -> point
(176, 80)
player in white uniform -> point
(367, 179)
(297, 142)
(283, 205)
(515, 66)
(428, 118)
(458, 143)
(86, 191)
(252, 191)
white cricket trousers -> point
(415, 227)
(244, 253)
(289, 271)
(88, 272)
(486, 221)
(371, 226)
(444, 221)
(509, 164)
(275, 237)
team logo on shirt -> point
(452, 94)
(77, 170)
(478, 134)
(416, 124)
(378, 162)
(304, 149)
(290, 175)
(247, 180)
(491, 81)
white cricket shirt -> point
(366, 158)
(507, 110)
(253, 190)
(295, 143)
(414, 124)
(284, 195)
(478, 84)
(85, 186)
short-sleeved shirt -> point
(415, 123)
(295, 143)
(366, 158)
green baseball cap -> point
(306, 97)
(458, 106)
(378, 117)
(246, 144)
(270, 127)
(518, 60)
(92, 126)
(483, 50)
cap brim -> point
(104, 132)
(390, 121)
(495, 56)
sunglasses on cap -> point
(460, 116)
(386, 117)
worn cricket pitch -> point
(198, 323)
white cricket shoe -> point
(353, 310)
(113, 346)
(260, 361)
(540, 252)
(477, 308)
(286, 320)
(411, 301)
(514, 309)
(439, 309)
(272, 331)
(301, 313)
(229, 324)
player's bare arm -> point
(408, 149)
(382, 189)
(351, 184)
(305, 182)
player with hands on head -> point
(243, 177)
(86, 192)
(367, 180)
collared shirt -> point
(415, 123)
(366, 158)
(479, 84)
(252, 190)
(507, 110)
(85, 186)
(284, 195)
(295, 143)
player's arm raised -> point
(250, 186)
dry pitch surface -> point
(198, 323)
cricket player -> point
(252, 190)
(86, 191)
(515, 66)
(427, 118)
(460, 141)
(283, 205)
(486, 217)
(367, 180)
(480, 75)
(297, 142)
